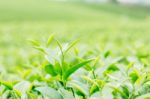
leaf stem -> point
(94, 75)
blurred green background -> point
(109, 26)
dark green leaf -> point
(106, 54)
(94, 88)
(112, 68)
(74, 68)
(133, 76)
(125, 90)
(50, 69)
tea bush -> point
(68, 73)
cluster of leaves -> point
(69, 73)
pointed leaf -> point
(66, 94)
(34, 43)
(71, 45)
(134, 76)
(49, 93)
(94, 88)
(7, 84)
(22, 87)
(49, 40)
(74, 68)
(50, 69)
(41, 49)
(112, 68)
(107, 53)
(79, 90)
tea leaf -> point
(49, 93)
(94, 89)
(71, 45)
(74, 68)
(49, 40)
(34, 43)
(134, 76)
(50, 69)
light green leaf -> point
(117, 90)
(34, 43)
(31, 95)
(145, 96)
(49, 40)
(22, 87)
(71, 45)
(66, 94)
(79, 90)
(49, 93)
(130, 65)
(41, 49)
(5, 94)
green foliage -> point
(112, 61)
(66, 74)
(50, 69)
(74, 68)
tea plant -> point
(68, 73)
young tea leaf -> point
(112, 68)
(8, 85)
(134, 76)
(49, 40)
(71, 45)
(49, 93)
(106, 54)
(94, 88)
(34, 43)
(50, 69)
(79, 90)
(74, 68)
(41, 49)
